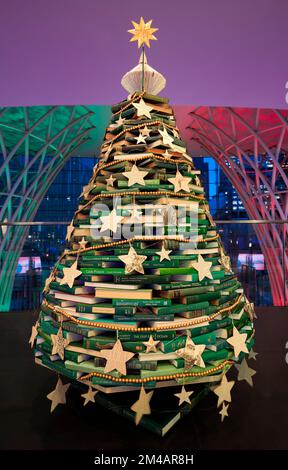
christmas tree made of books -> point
(142, 310)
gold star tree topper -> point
(142, 32)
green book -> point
(191, 299)
(178, 308)
(59, 367)
(144, 336)
(179, 342)
(141, 302)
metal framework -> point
(35, 143)
(251, 147)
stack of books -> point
(145, 276)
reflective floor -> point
(258, 417)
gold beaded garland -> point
(157, 378)
(175, 326)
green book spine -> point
(44, 335)
(191, 299)
(144, 317)
(143, 336)
(178, 308)
(141, 302)
(98, 342)
(145, 279)
(190, 271)
(180, 341)
(51, 299)
(174, 289)
(103, 271)
(59, 367)
(70, 327)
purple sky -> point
(212, 52)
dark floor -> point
(258, 416)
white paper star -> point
(249, 309)
(203, 268)
(70, 230)
(135, 176)
(135, 214)
(70, 274)
(48, 282)
(192, 354)
(180, 182)
(183, 396)
(238, 342)
(140, 138)
(224, 411)
(89, 396)
(142, 405)
(116, 358)
(133, 261)
(58, 396)
(175, 133)
(110, 181)
(164, 254)
(120, 121)
(59, 344)
(223, 391)
(111, 221)
(145, 131)
(151, 345)
(83, 243)
(143, 109)
(166, 138)
(245, 372)
(34, 333)
(252, 354)
(107, 152)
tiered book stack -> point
(144, 298)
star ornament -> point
(70, 230)
(223, 391)
(110, 181)
(151, 345)
(33, 336)
(252, 354)
(249, 309)
(142, 405)
(89, 396)
(135, 214)
(83, 243)
(141, 138)
(48, 281)
(116, 358)
(59, 344)
(183, 396)
(135, 176)
(238, 342)
(111, 221)
(166, 138)
(164, 254)
(133, 261)
(142, 32)
(70, 274)
(245, 372)
(203, 268)
(224, 411)
(192, 354)
(58, 396)
(145, 131)
(143, 109)
(180, 182)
